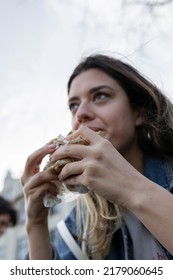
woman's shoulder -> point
(159, 170)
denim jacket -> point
(157, 170)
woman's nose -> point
(84, 113)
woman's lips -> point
(96, 129)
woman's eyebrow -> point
(72, 99)
(94, 89)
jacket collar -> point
(160, 171)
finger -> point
(73, 181)
(76, 151)
(91, 136)
(37, 157)
(41, 178)
(71, 169)
(39, 192)
(34, 160)
(77, 188)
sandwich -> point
(57, 166)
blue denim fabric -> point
(158, 170)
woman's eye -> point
(100, 95)
(73, 107)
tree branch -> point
(149, 3)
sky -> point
(41, 41)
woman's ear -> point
(139, 116)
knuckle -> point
(105, 143)
(88, 180)
(103, 147)
(66, 148)
(40, 177)
(63, 151)
(29, 159)
(96, 153)
(90, 168)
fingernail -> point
(51, 146)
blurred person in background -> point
(8, 215)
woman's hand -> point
(99, 167)
(36, 184)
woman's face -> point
(99, 102)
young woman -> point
(127, 168)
